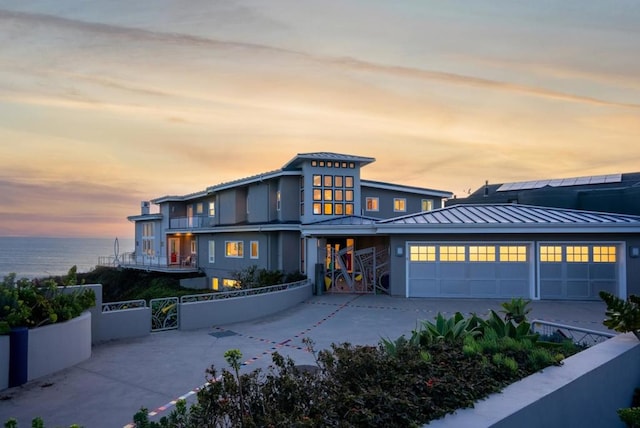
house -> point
(258, 220)
(616, 193)
(318, 216)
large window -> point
(372, 204)
(255, 250)
(399, 204)
(234, 249)
(330, 191)
(212, 251)
(148, 239)
(426, 204)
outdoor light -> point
(634, 252)
(399, 251)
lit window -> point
(234, 249)
(352, 165)
(348, 181)
(399, 204)
(328, 180)
(314, 163)
(317, 194)
(422, 253)
(344, 164)
(212, 209)
(321, 163)
(348, 195)
(317, 180)
(427, 204)
(550, 253)
(577, 254)
(372, 204)
(199, 208)
(329, 164)
(212, 251)
(482, 253)
(348, 209)
(328, 195)
(338, 180)
(338, 209)
(452, 253)
(255, 249)
(338, 194)
(604, 254)
(230, 283)
(278, 200)
(328, 209)
(513, 253)
(215, 284)
(317, 208)
(194, 246)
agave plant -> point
(445, 329)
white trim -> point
(251, 256)
(226, 243)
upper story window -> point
(399, 204)
(212, 251)
(426, 204)
(278, 200)
(199, 208)
(234, 249)
(372, 204)
(212, 209)
(330, 192)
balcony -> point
(188, 264)
(189, 223)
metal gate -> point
(164, 314)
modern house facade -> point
(258, 220)
(318, 216)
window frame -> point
(254, 245)
(400, 205)
(375, 203)
(212, 251)
(239, 249)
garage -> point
(471, 269)
(578, 270)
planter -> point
(58, 346)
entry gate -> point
(164, 313)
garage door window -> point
(452, 253)
(604, 254)
(550, 253)
(578, 254)
(482, 253)
(513, 253)
(422, 253)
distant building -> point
(316, 215)
(615, 193)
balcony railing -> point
(195, 222)
(151, 263)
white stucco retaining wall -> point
(585, 391)
(58, 346)
(237, 309)
(124, 324)
(4, 361)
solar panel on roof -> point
(561, 182)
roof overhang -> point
(145, 217)
(406, 189)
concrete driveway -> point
(154, 371)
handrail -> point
(579, 335)
(124, 305)
(192, 298)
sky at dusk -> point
(104, 104)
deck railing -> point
(192, 298)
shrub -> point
(623, 315)
(25, 303)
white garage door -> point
(578, 271)
(469, 270)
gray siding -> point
(259, 203)
(385, 202)
(290, 203)
(232, 206)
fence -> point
(581, 336)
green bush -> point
(623, 315)
(26, 303)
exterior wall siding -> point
(259, 203)
(290, 199)
(385, 202)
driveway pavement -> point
(154, 371)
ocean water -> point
(30, 257)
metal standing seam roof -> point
(501, 214)
(350, 220)
(362, 160)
